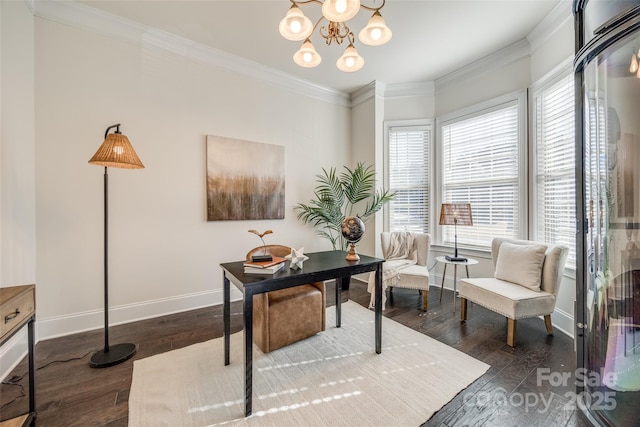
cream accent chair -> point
(520, 267)
(414, 276)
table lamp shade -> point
(456, 214)
(116, 152)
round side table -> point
(445, 261)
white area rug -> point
(332, 379)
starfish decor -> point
(297, 257)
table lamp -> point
(456, 214)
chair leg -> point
(547, 323)
(463, 308)
(425, 299)
(511, 332)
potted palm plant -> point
(337, 196)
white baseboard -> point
(86, 321)
(563, 322)
(12, 352)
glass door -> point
(608, 312)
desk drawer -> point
(14, 310)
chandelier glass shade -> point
(350, 60)
(296, 26)
(634, 66)
(307, 55)
(376, 32)
(340, 10)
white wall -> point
(556, 46)
(17, 142)
(365, 140)
(17, 176)
(482, 84)
(408, 102)
(164, 255)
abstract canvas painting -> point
(245, 180)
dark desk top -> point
(320, 266)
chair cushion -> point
(521, 264)
(414, 277)
(507, 298)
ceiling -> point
(431, 38)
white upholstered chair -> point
(415, 276)
(525, 284)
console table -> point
(319, 267)
(18, 308)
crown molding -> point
(31, 5)
(550, 24)
(494, 61)
(404, 90)
(371, 90)
(557, 72)
(389, 91)
(93, 20)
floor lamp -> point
(456, 214)
(115, 152)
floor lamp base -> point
(117, 354)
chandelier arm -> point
(346, 33)
(371, 8)
(297, 2)
(316, 24)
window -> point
(408, 148)
(554, 164)
(482, 160)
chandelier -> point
(296, 26)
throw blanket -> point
(400, 254)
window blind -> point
(480, 166)
(409, 169)
(554, 137)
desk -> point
(17, 309)
(319, 267)
(445, 261)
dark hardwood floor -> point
(70, 393)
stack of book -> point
(264, 267)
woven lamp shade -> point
(456, 214)
(116, 152)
